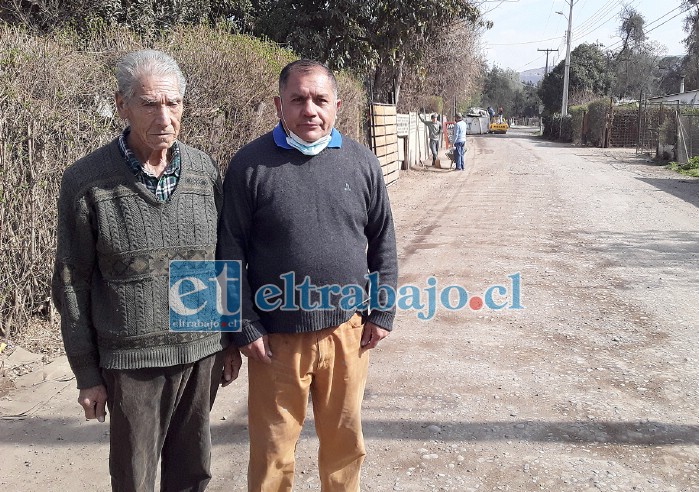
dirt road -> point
(591, 386)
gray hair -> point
(138, 64)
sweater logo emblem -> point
(347, 187)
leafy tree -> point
(504, 88)
(146, 17)
(449, 74)
(690, 64)
(551, 89)
(380, 40)
(589, 69)
(638, 71)
(526, 101)
(589, 77)
(376, 38)
(671, 72)
(631, 29)
(635, 66)
(500, 88)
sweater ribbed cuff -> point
(383, 319)
(86, 377)
(249, 333)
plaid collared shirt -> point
(161, 187)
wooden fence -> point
(384, 139)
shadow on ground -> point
(686, 189)
(648, 433)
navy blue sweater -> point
(325, 217)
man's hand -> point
(93, 401)
(258, 350)
(372, 335)
(231, 365)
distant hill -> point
(533, 76)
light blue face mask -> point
(307, 148)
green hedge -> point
(597, 121)
(557, 127)
(56, 105)
(572, 127)
(577, 115)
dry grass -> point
(56, 106)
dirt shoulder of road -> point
(591, 387)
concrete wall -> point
(413, 140)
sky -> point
(523, 26)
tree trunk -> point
(397, 81)
(384, 85)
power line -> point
(671, 18)
(527, 64)
(602, 21)
(547, 58)
(590, 31)
(523, 42)
(553, 2)
(618, 43)
(665, 15)
(599, 14)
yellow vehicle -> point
(496, 127)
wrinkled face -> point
(307, 105)
(154, 114)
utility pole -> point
(566, 77)
(547, 59)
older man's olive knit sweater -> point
(115, 242)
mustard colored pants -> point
(330, 365)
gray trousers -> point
(161, 412)
(434, 147)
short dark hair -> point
(305, 65)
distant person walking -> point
(434, 132)
(500, 114)
(459, 141)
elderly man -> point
(305, 205)
(124, 211)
